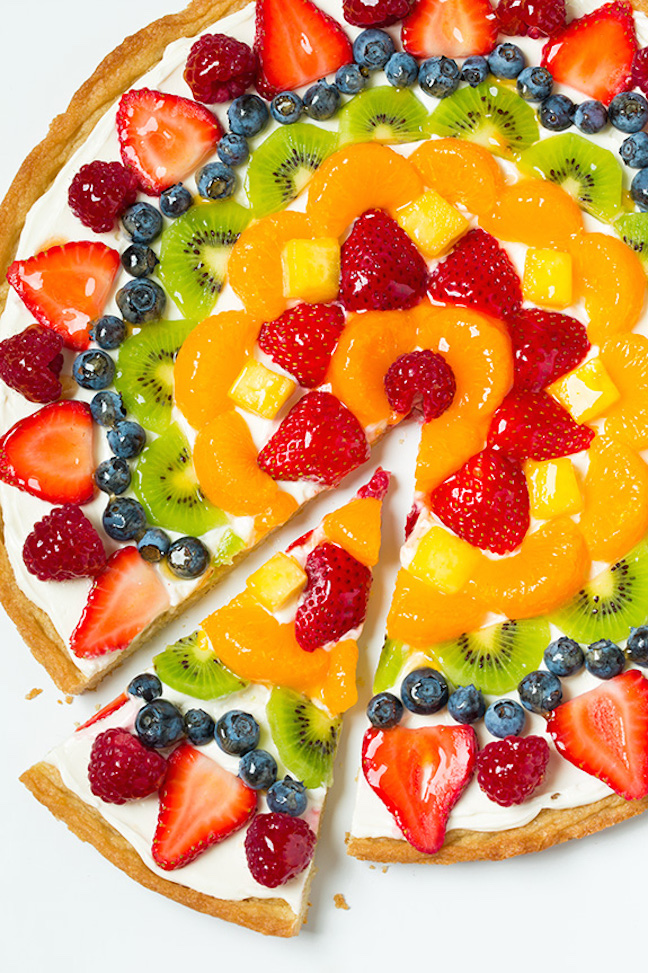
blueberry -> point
(475, 70)
(634, 150)
(216, 181)
(107, 408)
(237, 732)
(590, 117)
(126, 439)
(321, 101)
(139, 260)
(247, 115)
(199, 727)
(93, 369)
(159, 724)
(540, 691)
(146, 685)
(286, 107)
(188, 558)
(350, 79)
(535, 84)
(233, 149)
(604, 659)
(142, 222)
(401, 70)
(639, 189)
(628, 111)
(506, 61)
(556, 113)
(439, 76)
(154, 545)
(124, 519)
(564, 657)
(108, 332)
(288, 796)
(113, 476)
(258, 769)
(385, 710)
(505, 718)
(175, 201)
(637, 646)
(466, 704)
(373, 48)
(141, 300)
(424, 691)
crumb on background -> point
(69, 699)
(340, 901)
(33, 693)
(385, 869)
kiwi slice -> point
(305, 737)
(393, 657)
(144, 373)
(495, 658)
(383, 114)
(608, 605)
(194, 251)
(228, 547)
(489, 114)
(633, 230)
(190, 665)
(166, 485)
(589, 173)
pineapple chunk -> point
(260, 390)
(311, 269)
(443, 560)
(276, 581)
(548, 278)
(587, 391)
(432, 223)
(553, 488)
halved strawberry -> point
(546, 345)
(126, 597)
(200, 804)
(66, 287)
(532, 425)
(594, 53)
(50, 453)
(605, 733)
(454, 28)
(419, 775)
(105, 711)
(164, 137)
(296, 43)
(335, 598)
(303, 339)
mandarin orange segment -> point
(446, 444)
(355, 179)
(356, 528)
(339, 692)
(421, 615)
(278, 512)
(535, 212)
(626, 361)
(461, 172)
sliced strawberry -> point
(605, 733)
(105, 711)
(66, 287)
(546, 345)
(335, 598)
(126, 597)
(532, 425)
(486, 502)
(595, 53)
(419, 775)
(201, 803)
(377, 486)
(303, 339)
(320, 439)
(533, 18)
(478, 273)
(454, 28)
(296, 43)
(164, 137)
(50, 453)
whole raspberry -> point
(219, 68)
(30, 363)
(421, 381)
(639, 77)
(122, 769)
(509, 770)
(376, 13)
(277, 848)
(535, 18)
(100, 192)
(64, 545)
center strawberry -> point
(334, 600)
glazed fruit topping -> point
(100, 192)
(532, 425)
(639, 77)
(219, 68)
(31, 362)
(335, 598)
(303, 339)
(278, 847)
(510, 770)
(375, 13)
(64, 545)
(532, 18)
(420, 381)
(454, 28)
(377, 486)
(121, 769)
(546, 345)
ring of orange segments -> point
(461, 172)
(535, 212)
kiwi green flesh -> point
(490, 115)
(228, 547)
(191, 666)
(306, 738)
(194, 251)
(166, 485)
(393, 657)
(282, 166)
(383, 114)
(589, 173)
(633, 230)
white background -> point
(62, 907)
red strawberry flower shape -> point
(335, 598)
(532, 425)
(546, 345)
(303, 339)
